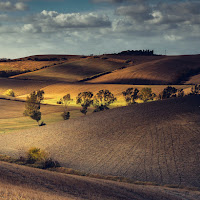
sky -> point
(84, 27)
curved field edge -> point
(18, 182)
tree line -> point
(101, 100)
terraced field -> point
(167, 70)
(153, 142)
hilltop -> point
(166, 70)
(153, 142)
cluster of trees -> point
(101, 101)
(138, 52)
(131, 95)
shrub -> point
(49, 163)
(35, 154)
(65, 115)
(9, 92)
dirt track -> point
(155, 142)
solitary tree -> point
(130, 95)
(85, 100)
(32, 106)
(102, 100)
(146, 94)
(66, 101)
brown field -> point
(21, 87)
(194, 80)
(19, 182)
(163, 71)
(25, 65)
(152, 142)
(74, 71)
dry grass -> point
(19, 182)
(167, 70)
(150, 142)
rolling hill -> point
(153, 142)
(168, 70)
(73, 71)
(19, 182)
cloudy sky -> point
(29, 27)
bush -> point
(49, 163)
(9, 92)
(65, 115)
(35, 154)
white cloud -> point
(11, 6)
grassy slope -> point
(19, 182)
(12, 118)
(74, 71)
(163, 71)
(156, 142)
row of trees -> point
(101, 101)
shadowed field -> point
(21, 87)
(18, 182)
(73, 71)
(153, 142)
(168, 70)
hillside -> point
(73, 71)
(19, 182)
(168, 70)
(156, 142)
(194, 80)
(21, 87)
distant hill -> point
(154, 142)
(73, 71)
(167, 70)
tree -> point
(85, 100)
(66, 101)
(195, 90)
(32, 106)
(102, 100)
(146, 94)
(9, 92)
(130, 95)
(168, 92)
